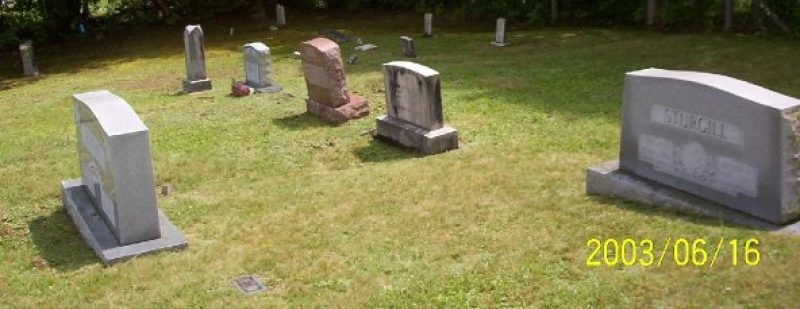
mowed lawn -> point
(327, 217)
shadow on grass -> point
(671, 214)
(380, 151)
(301, 121)
(59, 242)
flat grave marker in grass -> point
(113, 204)
(715, 137)
(414, 103)
(249, 285)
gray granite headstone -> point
(196, 76)
(28, 62)
(408, 47)
(280, 15)
(414, 104)
(428, 32)
(114, 202)
(258, 68)
(500, 33)
(723, 139)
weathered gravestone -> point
(500, 33)
(428, 31)
(328, 96)
(727, 141)
(258, 68)
(280, 15)
(113, 204)
(414, 104)
(408, 47)
(196, 77)
(28, 62)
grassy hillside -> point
(328, 217)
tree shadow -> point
(301, 121)
(382, 151)
(59, 242)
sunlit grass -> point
(328, 217)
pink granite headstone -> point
(328, 96)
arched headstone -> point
(414, 103)
(113, 204)
(725, 140)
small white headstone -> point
(428, 25)
(258, 68)
(500, 33)
(28, 64)
(280, 15)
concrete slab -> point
(609, 179)
(98, 234)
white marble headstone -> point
(280, 13)
(28, 62)
(413, 94)
(428, 25)
(500, 33)
(257, 65)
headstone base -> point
(609, 179)
(357, 107)
(32, 73)
(268, 89)
(419, 139)
(196, 85)
(498, 44)
(98, 234)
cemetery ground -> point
(326, 216)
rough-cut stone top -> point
(731, 85)
(113, 114)
(324, 72)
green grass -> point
(330, 218)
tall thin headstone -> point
(724, 140)
(553, 10)
(258, 68)
(280, 15)
(28, 59)
(414, 104)
(500, 33)
(328, 95)
(196, 76)
(651, 12)
(428, 32)
(113, 204)
(409, 50)
(728, 14)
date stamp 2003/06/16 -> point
(681, 252)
